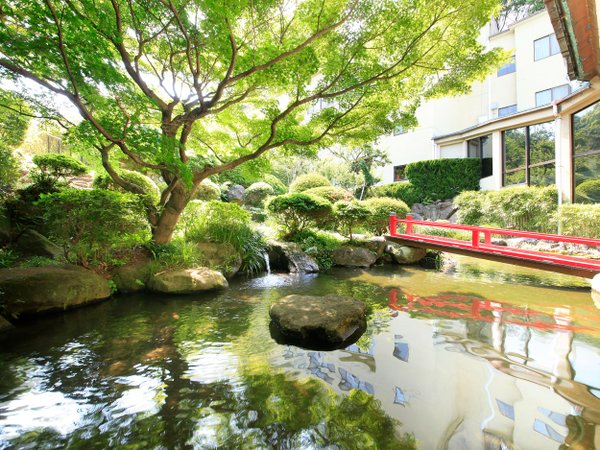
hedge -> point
(400, 191)
(588, 192)
(580, 220)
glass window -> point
(509, 67)
(559, 92)
(586, 154)
(529, 155)
(399, 173)
(545, 47)
(507, 110)
(543, 97)
(481, 147)
(549, 95)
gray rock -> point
(376, 244)
(221, 257)
(32, 243)
(403, 254)
(5, 325)
(34, 290)
(354, 257)
(316, 321)
(439, 210)
(187, 281)
(288, 256)
(134, 276)
(235, 193)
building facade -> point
(533, 122)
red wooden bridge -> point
(481, 246)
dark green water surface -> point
(482, 357)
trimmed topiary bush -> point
(278, 186)
(56, 168)
(331, 193)
(295, 212)
(207, 191)
(588, 192)
(152, 193)
(400, 191)
(441, 179)
(308, 181)
(470, 207)
(257, 193)
(349, 215)
(380, 210)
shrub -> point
(400, 191)
(295, 212)
(331, 193)
(152, 193)
(380, 209)
(318, 245)
(350, 215)
(278, 186)
(225, 223)
(441, 179)
(90, 224)
(207, 191)
(588, 192)
(470, 207)
(257, 193)
(580, 220)
(308, 181)
(56, 168)
(176, 254)
(9, 170)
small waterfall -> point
(267, 263)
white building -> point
(523, 120)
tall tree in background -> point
(514, 10)
(15, 117)
(193, 88)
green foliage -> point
(441, 179)
(331, 193)
(225, 223)
(257, 193)
(14, 119)
(349, 215)
(588, 192)
(152, 193)
(52, 170)
(7, 258)
(580, 220)
(90, 225)
(279, 188)
(400, 191)
(380, 209)
(295, 212)
(520, 208)
(308, 181)
(176, 254)
(207, 191)
(39, 261)
(9, 170)
(319, 245)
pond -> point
(484, 356)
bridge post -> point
(475, 238)
(393, 224)
(409, 225)
(487, 237)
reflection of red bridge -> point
(571, 265)
(457, 306)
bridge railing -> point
(478, 232)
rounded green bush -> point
(380, 209)
(257, 193)
(58, 166)
(308, 181)
(350, 214)
(588, 192)
(278, 186)
(331, 193)
(295, 212)
(152, 193)
(470, 206)
(207, 191)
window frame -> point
(478, 139)
(506, 107)
(592, 152)
(548, 37)
(552, 91)
(508, 68)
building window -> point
(399, 130)
(399, 173)
(481, 147)
(507, 110)
(549, 95)
(509, 67)
(529, 155)
(545, 47)
(586, 155)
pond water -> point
(484, 357)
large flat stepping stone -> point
(326, 322)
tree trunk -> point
(163, 231)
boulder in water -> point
(187, 281)
(221, 257)
(354, 257)
(318, 322)
(403, 254)
(288, 256)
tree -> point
(15, 116)
(514, 10)
(194, 88)
(363, 159)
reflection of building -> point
(535, 121)
(474, 384)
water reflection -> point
(452, 362)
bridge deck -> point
(571, 265)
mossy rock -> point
(187, 281)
